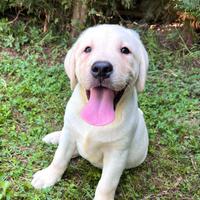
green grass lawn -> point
(34, 91)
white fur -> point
(114, 147)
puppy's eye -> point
(87, 49)
(125, 50)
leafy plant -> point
(192, 7)
(4, 190)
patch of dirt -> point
(20, 121)
(10, 51)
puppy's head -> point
(107, 56)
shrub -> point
(192, 7)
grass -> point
(34, 91)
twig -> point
(194, 164)
(17, 16)
(185, 45)
(46, 22)
(175, 75)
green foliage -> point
(58, 13)
(19, 32)
(4, 189)
(17, 36)
(190, 6)
(13, 38)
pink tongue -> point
(99, 110)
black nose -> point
(102, 69)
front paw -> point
(45, 178)
(103, 197)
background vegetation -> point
(35, 36)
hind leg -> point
(52, 138)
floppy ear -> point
(143, 67)
(69, 65)
(142, 57)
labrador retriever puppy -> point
(106, 66)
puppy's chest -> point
(90, 148)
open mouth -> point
(117, 95)
(101, 105)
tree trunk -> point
(78, 17)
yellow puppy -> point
(106, 66)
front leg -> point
(53, 173)
(113, 165)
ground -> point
(34, 91)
